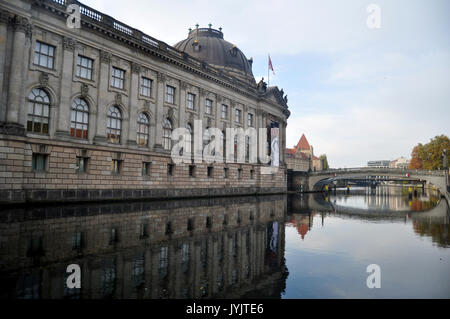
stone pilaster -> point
(182, 108)
(22, 32)
(133, 107)
(5, 18)
(65, 107)
(102, 100)
(202, 105)
(159, 112)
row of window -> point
(39, 116)
(40, 164)
(44, 55)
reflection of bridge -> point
(316, 181)
(321, 203)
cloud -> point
(358, 94)
(387, 105)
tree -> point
(429, 156)
(324, 160)
(416, 161)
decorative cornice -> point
(135, 68)
(84, 90)
(118, 99)
(183, 85)
(69, 44)
(161, 77)
(5, 16)
(105, 56)
(21, 24)
(43, 79)
(105, 27)
(202, 92)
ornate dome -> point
(208, 45)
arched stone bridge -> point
(316, 181)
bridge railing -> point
(382, 170)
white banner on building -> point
(275, 153)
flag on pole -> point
(270, 65)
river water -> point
(278, 246)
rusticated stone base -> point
(98, 195)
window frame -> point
(224, 111)
(237, 115)
(189, 101)
(76, 103)
(145, 126)
(38, 53)
(209, 106)
(110, 129)
(167, 134)
(45, 105)
(120, 78)
(171, 95)
(80, 67)
(148, 88)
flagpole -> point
(268, 74)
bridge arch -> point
(317, 180)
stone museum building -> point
(87, 111)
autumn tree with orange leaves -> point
(429, 156)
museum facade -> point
(87, 111)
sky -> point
(357, 93)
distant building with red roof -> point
(301, 157)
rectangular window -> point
(190, 101)
(163, 260)
(84, 67)
(210, 171)
(118, 78)
(39, 162)
(82, 163)
(225, 172)
(224, 111)
(237, 116)
(192, 170)
(239, 173)
(252, 174)
(114, 236)
(170, 94)
(144, 231)
(116, 166)
(185, 253)
(146, 87)
(146, 169)
(77, 238)
(250, 120)
(44, 55)
(170, 168)
(208, 106)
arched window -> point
(38, 111)
(167, 134)
(143, 124)
(189, 138)
(79, 120)
(114, 125)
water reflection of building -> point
(303, 223)
(192, 249)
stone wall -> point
(62, 182)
